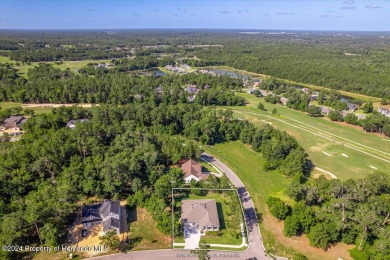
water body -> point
(149, 72)
(230, 73)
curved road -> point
(255, 251)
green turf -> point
(356, 165)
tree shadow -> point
(220, 216)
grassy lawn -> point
(344, 162)
(72, 65)
(248, 165)
(39, 108)
(144, 234)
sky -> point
(331, 15)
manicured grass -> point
(248, 165)
(356, 165)
(144, 234)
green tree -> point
(261, 106)
(314, 111)
(368, 107)
(278, 208)
(274, 111)
(351, 118)
(335, 115)
(111, 240)
(384, 101)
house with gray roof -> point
(325, 110)
(13, 123)
(72, 123)
(108, 214)
(202, 214)
(384, 111)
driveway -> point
(191, 236)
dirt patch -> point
(302, 243)
(48, 105)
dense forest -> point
(330, 211)
(47, 84)
(356, 62)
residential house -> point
(264, 93)
(352, 107)
(313, 97)
(305, 90)
(72, 123)
(13, 123)
(185, 66)
(192, 89)
(108, 214)
(344, 113)
(384, 111)
(202, 214)
(325, 110)
(361, 116)
(193, 171)
(283, 100)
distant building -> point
(185, 66)
(352, 107)
(325, 110)
(344, 113)
(283, 100)
(201, 214)
(361, 116)
(193, 171)
(72, 123)
(384, 111)
(13, 123)
(305, 90)
(264, 93)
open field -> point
(314, 87)
(345, 151)
(40, 108)
(248, 165)
(72, 65)
(144, 234)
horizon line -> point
(189, 28)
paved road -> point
(256, 248)
(255, 251)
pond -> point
(229, 73)
(149, 72)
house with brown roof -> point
(201, 214)
(193, 171)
